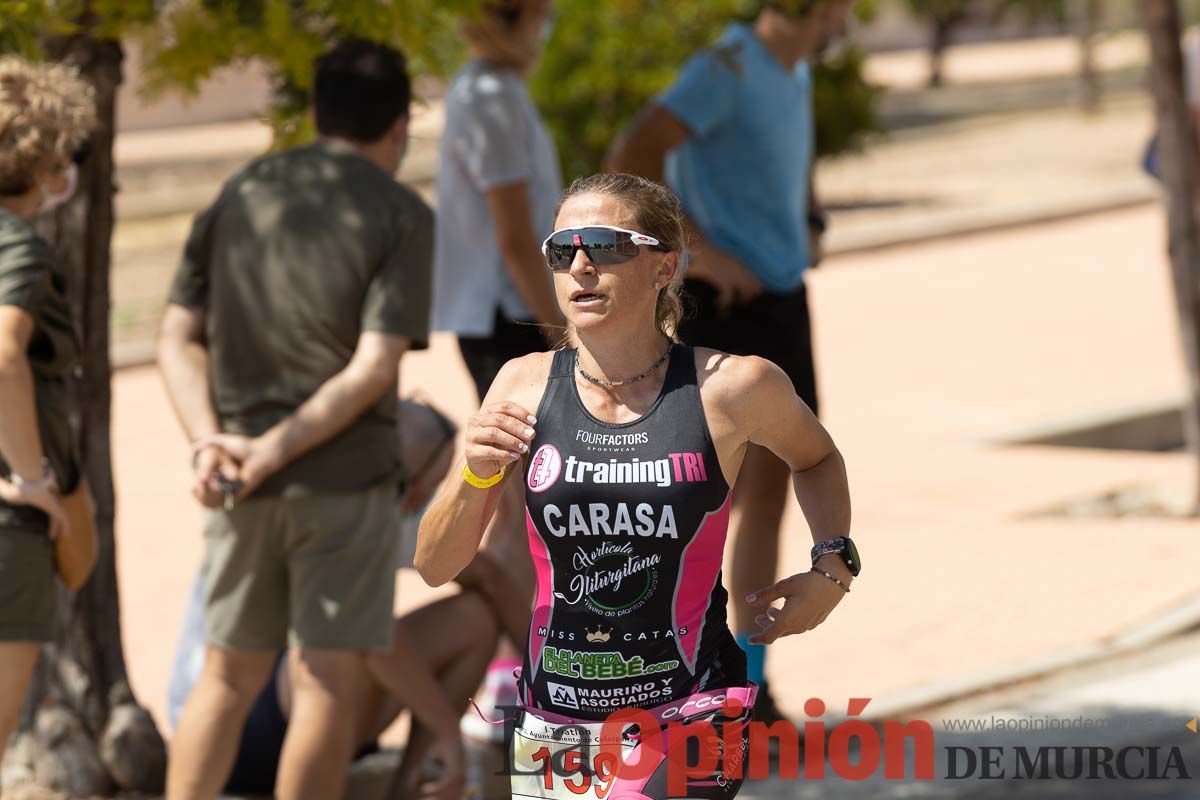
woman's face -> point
(618, 295)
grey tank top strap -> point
(563, 364)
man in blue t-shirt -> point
(733, 137)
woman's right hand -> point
(41, 498)
(499, 434)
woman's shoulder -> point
(523, 379)
(532, 365)
(725, 370)
(727, 380)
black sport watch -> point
(844, 547)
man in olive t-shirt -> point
(298, 292)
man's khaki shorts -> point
(28, 588)
(314, 572)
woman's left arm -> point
(20, 443)
(20, 440)
(767, 412)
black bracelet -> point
(845, 588)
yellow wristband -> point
(478, 482)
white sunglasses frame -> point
(634, 236)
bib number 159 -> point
(575, 773)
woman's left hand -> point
(807, 600)
(42, 498)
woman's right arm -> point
(512, 214)
(20, 442)
(496, 438)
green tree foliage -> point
(603, 63)
(184, 43)
(843, 104)
(606, 60)
(191, 40)
(26, 24)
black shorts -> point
(772, 326)
(714, 786)
(485, 355)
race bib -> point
(566, 761)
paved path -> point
(988, 171)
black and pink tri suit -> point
(627, 525)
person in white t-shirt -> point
(498, 183)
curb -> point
(132, 355)
(1175, 620)
(873, 241)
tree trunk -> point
(941, 29)
(1177, 155)
(1086, 20)
(82, 732)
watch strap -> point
(840, 545)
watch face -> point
(850, 555)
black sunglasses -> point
(602, 244)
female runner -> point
(630, 442)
